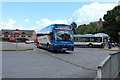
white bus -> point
(91, 40)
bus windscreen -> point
(63, 35)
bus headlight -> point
(55, 44)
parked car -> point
(30, 41)
(13, 40)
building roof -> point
(22, 32)
(0, 32)
(119, 3)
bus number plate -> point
(64, 48)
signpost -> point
(16, 32)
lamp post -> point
(119, 42)
(119, 36)
(16, 32)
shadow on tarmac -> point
(55, 52)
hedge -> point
(7, 39)
(4, 38)
(22, 39)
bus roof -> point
(92, 35)
(84, 35)
(60, 25)
(49, 28)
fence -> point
(110, 67)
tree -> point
(111, 24)
(74, 25)
(82, 29)
(91, 28)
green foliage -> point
(4, 38)
(118, 44)
(118, 18)
(112, 23)
(74, 25)
(82, 29)
(91, 28)
(7, 39)
(22, 39)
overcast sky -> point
(37, 15)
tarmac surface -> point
(40, 63)
(12, 46)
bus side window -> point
(88, 39)
(51, 33)
(52, 38)
(75, 39)
(91, 39)
(99, 39)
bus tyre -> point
(37, 46)
(90, 45)
(64, 50)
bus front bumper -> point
(63, 47)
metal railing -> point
(110, 67)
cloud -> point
(91, 12)
(45, 22)
(26, 20)
(8, 25)
(37, 22)
(84, 15)
(11, 22)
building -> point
(100, 22)
(29, 34)
(119, 3)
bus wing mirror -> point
(51, 33)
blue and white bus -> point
(56, 37)
(91, 40)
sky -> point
(37, 15)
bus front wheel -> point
(64, 50)
(90, 45)
(48, 46)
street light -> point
(16, 32)
(119, 36)
(119, 41)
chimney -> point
(100, 22)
